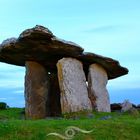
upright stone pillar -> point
(36, 90)
(98, 94)
(72, 81)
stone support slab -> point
(36, 90)
(72, 81)
(98, 94)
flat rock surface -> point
(72, 82)
(97, 81)
(126, 106)
(36, 90)
(40, 45)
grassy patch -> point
(11, 113)
(117, 127)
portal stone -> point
(72, 82)
(36, 90)
(98, 94)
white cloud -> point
(18, 92)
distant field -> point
(105, 126)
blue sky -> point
(107, 27)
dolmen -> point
(60, 77)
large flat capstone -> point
(39, 44)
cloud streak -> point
(104, 29)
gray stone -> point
(72, 82)
(90, 116)
(126, 106)
(36, 90)
(98, 94)
(9, 42)
(106, 117)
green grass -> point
(119, 127)
(11, 113)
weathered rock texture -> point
(72, 81)
(126, 106)
(97, 80)
(40, 45)
(36, 90)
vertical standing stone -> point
(36, 90)
(98, 94)
(72, 81)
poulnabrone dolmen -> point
(60, 76)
